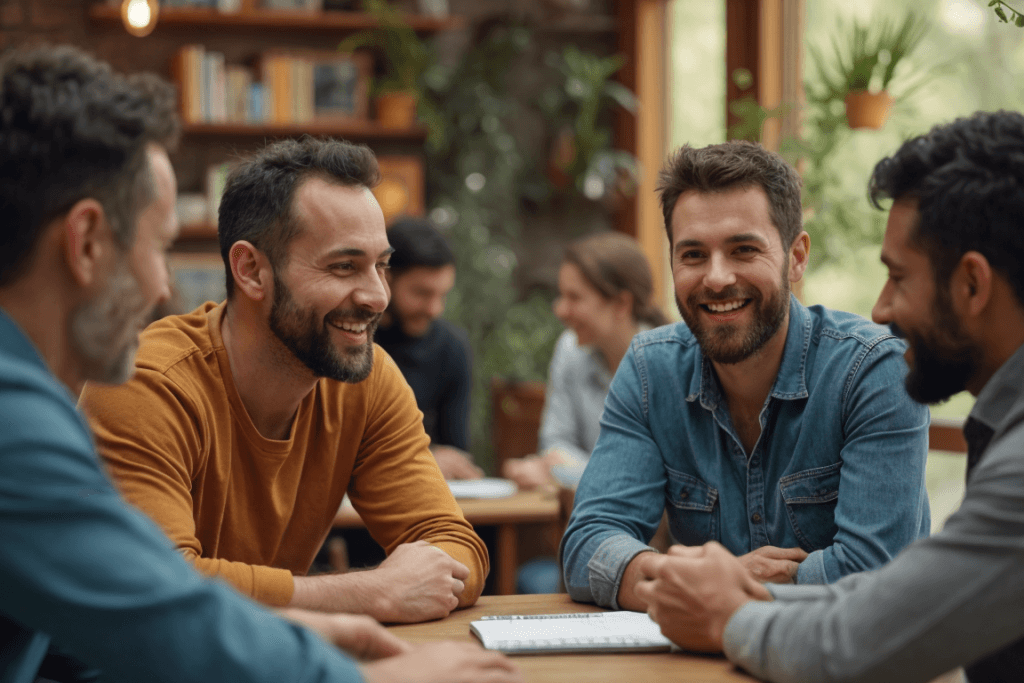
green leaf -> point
(1001, 14)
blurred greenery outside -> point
(972, 61)
(502, 151)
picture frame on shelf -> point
(197, 278)
(341, 86)
(400, 191)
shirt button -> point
(683, 495)
(755, 518)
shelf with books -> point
(337, 21)
(197, 232)
(355, 131)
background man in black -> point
(432, 353)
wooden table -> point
(506, 514)
(620, 668)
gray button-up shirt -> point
(946, 601)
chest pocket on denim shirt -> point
(811, 498)
(692, 509)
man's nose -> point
(881, 312)
(719, 274)
(372, 293)
(436, 307)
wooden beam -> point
(742, 51)
(643, 39)
(765, 37)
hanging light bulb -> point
(139, 16)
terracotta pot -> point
(867, 109)
(396, 109)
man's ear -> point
(86, 238)
(799, 253)
(970, 286)
(251, 269)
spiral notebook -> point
(555, 633)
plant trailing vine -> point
(1006, 13)
(486, 172)
(479, 177)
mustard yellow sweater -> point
(253, 511)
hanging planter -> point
(862, 65)
(867, 109)
(396, 109)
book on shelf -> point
(306, 5)
(227, 6)
(287, 88)
(596, 632)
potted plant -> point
(863, 71)
(582, 151)
(399, 91)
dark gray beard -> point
(309, 340)
(726, 344)
(104, 331)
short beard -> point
(104, 330)
(721, 345)
(309, 340)
(945, 359)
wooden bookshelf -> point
(361, 131)
(198, 18)
(197, 232)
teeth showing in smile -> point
(355, 328)
(726, 306)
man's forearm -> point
(353, 593)
(634, 573)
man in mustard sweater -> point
(247, 421)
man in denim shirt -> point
(781, 431)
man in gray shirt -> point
(954, 248)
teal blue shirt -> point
(82, 568)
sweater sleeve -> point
(154, 455)
(397, 488)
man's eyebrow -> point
(352, 251)
(733, 239)
(746, 237)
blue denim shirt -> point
(839, 468)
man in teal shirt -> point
(88, 200)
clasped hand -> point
(418, 582)
(691, 592)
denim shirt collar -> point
(1001, 392)
(790, 383)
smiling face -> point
(583, 309)
(731, 271)
(331, 291)
(418, 296)
(105, 330)
(941, 358)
